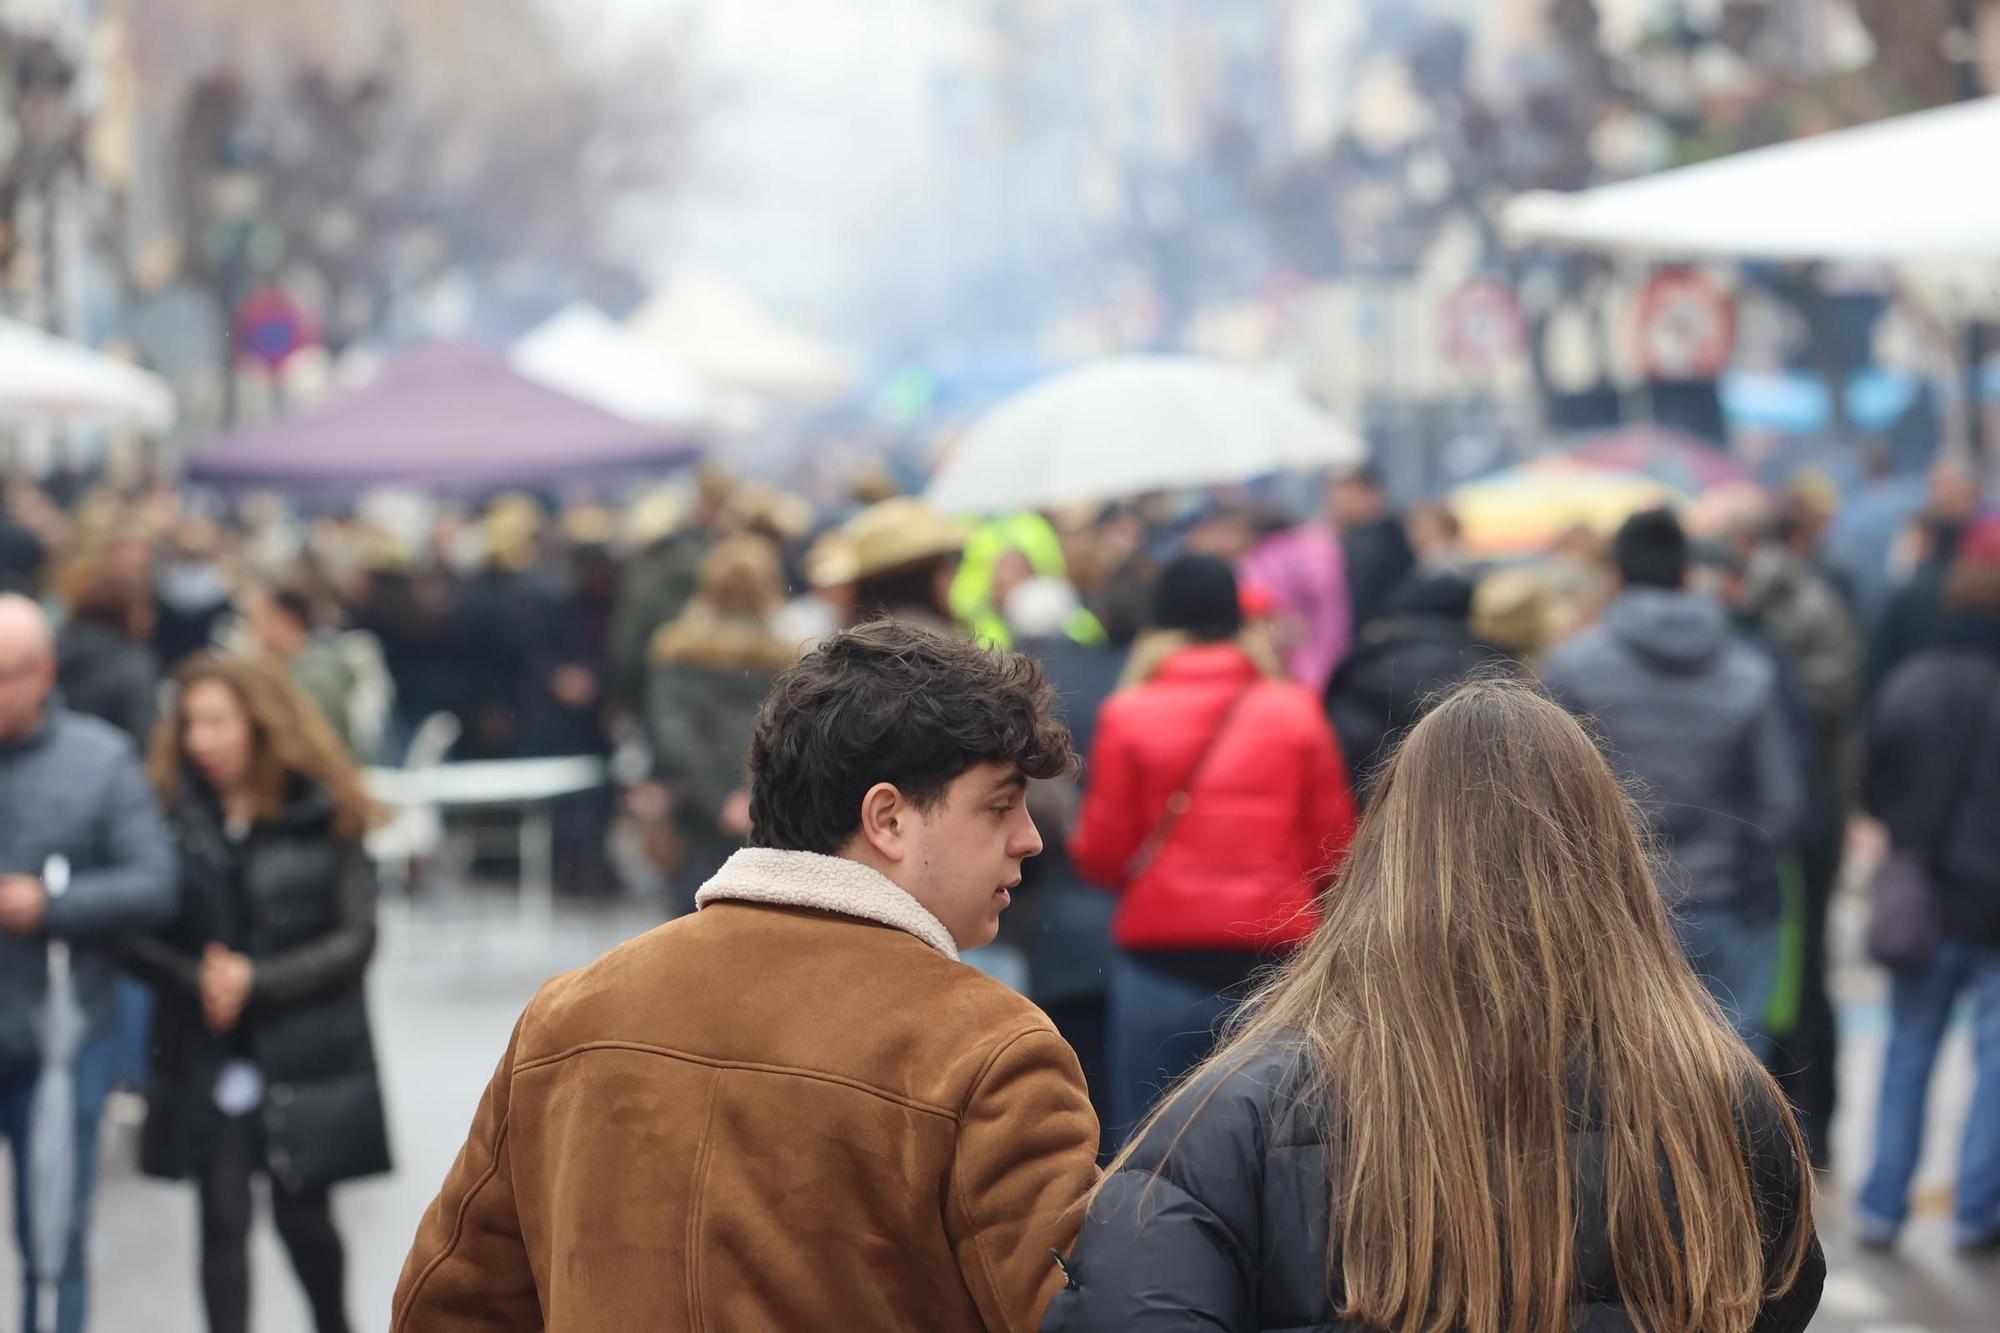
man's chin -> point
(984, 934)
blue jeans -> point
(1161, 1026)
(134, 1034)
(1920, 1006)
(96, 1071)
(1737, 959)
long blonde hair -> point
(290, 739)
(1494, 965)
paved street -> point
(447, 990)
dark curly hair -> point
(892, 702)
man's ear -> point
(885, 821)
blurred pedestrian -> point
(672, 537)
(1303, 570)
(406, 609)
(1217, 807)
(999, 557)
(106, 669)
(104, 655)
(1063, 923)
(1932, 776)
(905, 556)
(711, 669)
(1124, 570)
(1694, 716)
(191, 592)
(1914, 617)
(1806, 619)
(1436, 539)
(23, 555)
(283, 625)
(263, 1062)
(796, 1108)
(73, 804)
(493, 632)
(1373, 539)
(1408, 659)
(1485, 1094)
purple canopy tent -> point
(448, 415)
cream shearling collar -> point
(827, 884)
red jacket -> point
(1267, 821)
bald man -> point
(74, 808)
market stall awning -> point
(50, 379)
(1924, 186)
(449, 415)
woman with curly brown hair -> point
(261, 1040)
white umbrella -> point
(1924, 186)
(46, 378)
(582, 352)
(1135, 424)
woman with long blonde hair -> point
(264, 1063)
(1487, 1094)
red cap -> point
(1256, 601)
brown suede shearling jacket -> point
(794, 1110)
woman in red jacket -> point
(1217, 807)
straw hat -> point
(831, 563)
(898, 533)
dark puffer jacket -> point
(1399, 666)
(1232, 1234)
(1933, 772)
(299, 901)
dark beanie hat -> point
(1196, 594)
(1651, 550)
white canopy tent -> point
(730, 342)
(50, 380)
(584, 353)
(1921, 187)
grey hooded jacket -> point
(73, 788)
(1691, 716)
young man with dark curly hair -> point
(796, 1109)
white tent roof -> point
(729, 341)
(46, 378)
(1918, 187)
(584, 353)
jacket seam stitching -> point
(707, 1155)
(820, 1076)
(957, 1161)
(457, 1227)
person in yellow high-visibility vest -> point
(975, 598)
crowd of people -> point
(1244, 687)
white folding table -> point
(527, 785)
